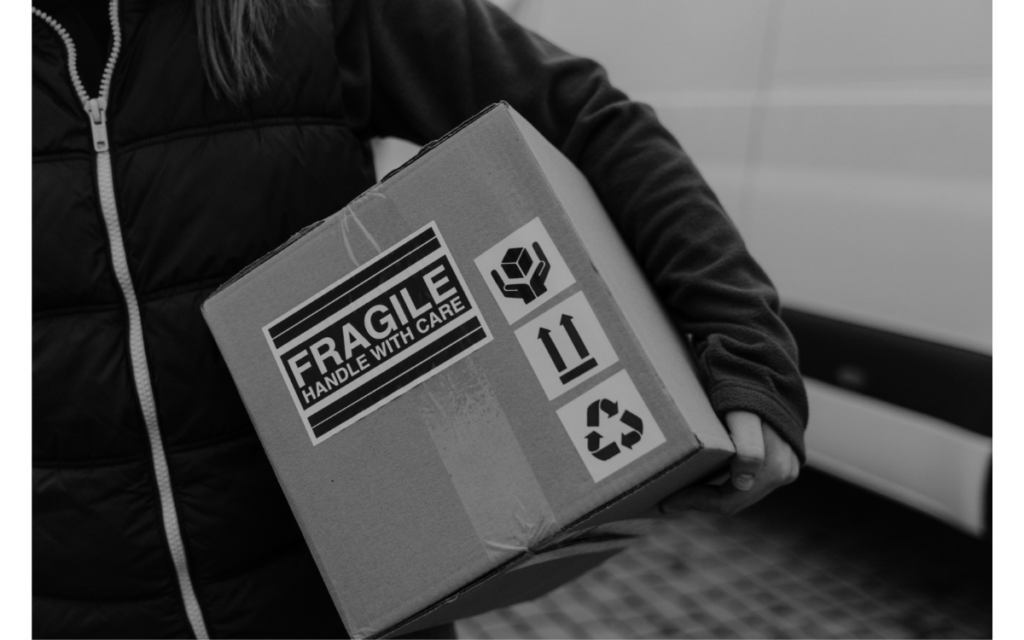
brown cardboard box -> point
(458, 377)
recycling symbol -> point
(609, 409)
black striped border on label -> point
(345, 292)
(398, 378)
(448, 345)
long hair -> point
(235, 43)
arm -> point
(436, 62)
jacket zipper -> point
(96, 110)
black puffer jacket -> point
(155, 510)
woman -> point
(175, 143)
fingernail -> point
(743, 481)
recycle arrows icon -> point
(611, 409)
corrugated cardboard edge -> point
(265, 257)
(529, 580)
(427, 148)
(552, 543)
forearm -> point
(437, 62)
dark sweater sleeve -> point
(434, 63)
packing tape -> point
(349, 214)
(490, 472)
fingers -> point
(746, 432)
(725, 499)
(539, 252)
(787, 459)
(780, 466)
(699, 498)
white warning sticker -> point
(376, 333)
(524, 270)
(566, 345)
(610, 426)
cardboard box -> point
(458, 377)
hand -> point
(540, 274)
(514, 290)
(763, 462)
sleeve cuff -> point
(733, 397)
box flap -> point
(528, 580)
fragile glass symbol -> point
(516, 265)
(544, 335)
(611, 409)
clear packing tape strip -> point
(489, 471)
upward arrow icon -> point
(544, 335)
(574, 335)
(549, 344)
(575, 347)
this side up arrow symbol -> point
(574, 335)
(549, 344)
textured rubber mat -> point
(819, 559)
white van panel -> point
(663, 45)
(910, 255)
(855, 40)
(926, 463)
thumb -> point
(748, 437)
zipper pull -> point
(97, 110)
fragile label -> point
(610, 426)
(524, 270)
(566, 345)
(374, 334)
